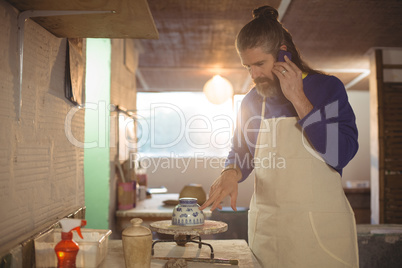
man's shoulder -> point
(323, 88)
(321, 79)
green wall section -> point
(97, 129)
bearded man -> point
(299, 215)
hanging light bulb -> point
(218, 89)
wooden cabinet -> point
(386, 135)
(119, 19)
(359, 200)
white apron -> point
(299, 215)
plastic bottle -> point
(142, 177)
(67, 249)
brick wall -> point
(41, 172)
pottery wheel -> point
(209, 227)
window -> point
(183, 124)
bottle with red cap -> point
(67, 249)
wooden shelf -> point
(131, 18)
(359, 199)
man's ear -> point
(284, 47)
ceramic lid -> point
(136, 229)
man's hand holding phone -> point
(282, 54)
(291, 80)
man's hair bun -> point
(266, 12)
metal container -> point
(137, 245)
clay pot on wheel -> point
(187, 213)
(195, 191)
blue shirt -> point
(331, 113)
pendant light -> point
(218, 89)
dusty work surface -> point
(224, 249)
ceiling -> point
(196, 39)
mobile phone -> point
(282, 53)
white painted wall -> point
(41, 172)
(359, 167)
(123, 92)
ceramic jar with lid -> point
(137, 245)
(187, 213)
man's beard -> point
(267, 87)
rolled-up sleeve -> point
(331, 125)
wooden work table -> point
(223, 249)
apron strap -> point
(263, 109)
